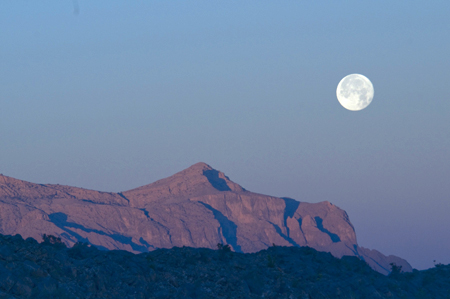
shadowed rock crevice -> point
(287, 238)
(301, 230)
(369, 260)
(146, 243)
(186, 227)
(228, 227)
(335, 238)
(68, 233)
(124, 197)
(213, 177)
(146, 214)
(355, 250)
(60, 220)
(289, 210)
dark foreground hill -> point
(197, 207)
(29, 269)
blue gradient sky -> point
(128, 92)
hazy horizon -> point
(112, 95)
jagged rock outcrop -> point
(197, 207)
(50, 270)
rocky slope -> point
(197, 207)
(50, 270)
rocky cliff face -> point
(197, 207)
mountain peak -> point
(197, 168)
(196, 180)
(198, 206)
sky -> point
(112, 95)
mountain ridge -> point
(196, 207)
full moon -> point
(355, 92)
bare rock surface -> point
(197, 207)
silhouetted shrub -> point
(81, 250)
(81, 245)
(223, 248)
(50, 239)
(438, 265)
(395, 270)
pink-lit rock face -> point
(197, 207)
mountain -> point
(197, 207)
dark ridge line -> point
(190, 234)
(300, 220)
(124, 197)
(389, 271)
(102, 203)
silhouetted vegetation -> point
(223, 248)
(437, 265)
(270, 261)
(48, 270)
(50, 239)
(395, 270)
